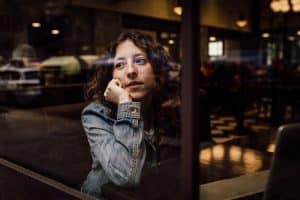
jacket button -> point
(132, 110)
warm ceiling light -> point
(291, 38)
(271, 148)
(265, 35)
(296, 8)
(55, 32)
(36, 24)
(241, 22)
(178, 10)
(274, 6)
(280, 5)
(295, 2)
(171, 41)
(173, 35)
(164, 35)
(285, 8)
(212, 38)
(295, 5)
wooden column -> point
(190, 111)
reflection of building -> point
(87, 27)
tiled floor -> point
(224, 127)
(238, 154)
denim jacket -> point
(117, 145)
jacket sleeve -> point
(117, 145)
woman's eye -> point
(119, 65)
(140, 61)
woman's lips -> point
(134, 84)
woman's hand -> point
(115, 93)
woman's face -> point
(133, 69)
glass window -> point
(60, 60)
(56, 62)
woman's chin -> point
(137, 96)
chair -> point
(284, 178)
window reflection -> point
(218, 152)
(235, 153)
(249, 81)
(252, 161)
(271, 148)
(49, 55)
(244, 159)
(205, 156)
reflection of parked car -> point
(66, 69)
(21, 85)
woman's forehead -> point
(127, 48)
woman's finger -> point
(118, 82)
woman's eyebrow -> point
(119, 58)
(139, 54)
(135, 55)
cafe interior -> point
(234, 65)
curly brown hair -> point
(165, 120)
(156, 54)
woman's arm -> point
(118, 145)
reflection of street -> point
(48, 140)
(43, 95)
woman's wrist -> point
(125, 98)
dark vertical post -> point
(190, 112)
(255, 15)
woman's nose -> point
(131, 71)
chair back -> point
(284, 178)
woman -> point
(122, 124)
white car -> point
(21, 85)
(66, 69)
